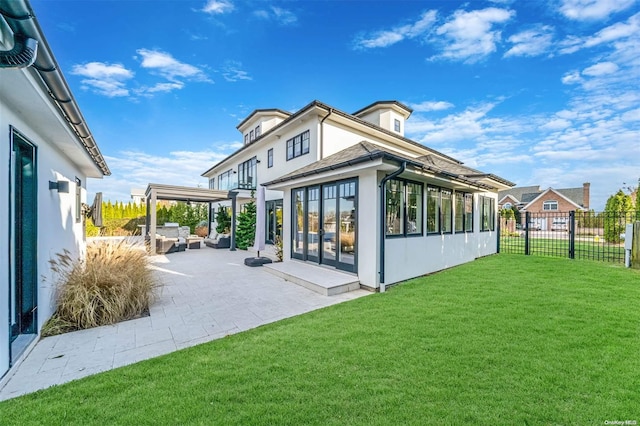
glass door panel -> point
(297, 224)
(347, 237)
(313, 223)
(329, 236)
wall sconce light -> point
(61, 185)
(234, 172)
(257, 161)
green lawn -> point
(507, 339)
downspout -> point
(383, 205)
(321, 150)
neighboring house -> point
(551, 206)
(47, 152)
(138, 196)
(356, 195)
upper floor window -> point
(258, 132)
(212, 183)
(246, 138)
(507, 205)
(550, 205)
(488, 214)
(247, 174)
(270, 158)
(396, 125)
(404, 207)
(251, 136)
(298, 145)
(225, 180)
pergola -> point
(156, 191)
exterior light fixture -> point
(62, 186)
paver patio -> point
(207, 294)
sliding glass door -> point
(324, 219)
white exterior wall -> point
(368, 245)
(415, 256)
(57, 227)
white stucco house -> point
(351, 192)
(46, 155)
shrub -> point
(113, 284)
(223, 219)
(277, 246)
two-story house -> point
(355, 194)
(46, 155)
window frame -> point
(270, 158)
(258, 131)
(465, 216)
(550, 203)
(490, 215)
(248, 169)
(298, 145)
(78, 200)
(396, 125)
(404, 209)
(228, 175)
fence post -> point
(635, 246)
(527, 218)
(499, 230)
(572, 234)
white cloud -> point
(385, 38)
(232, 72)
(556, 124)
(572, 77)
(470, 36)
(163, 87)
(135, 169)
(277, 14)
(104, 78)
(218, 7)
(587, 10)
(533, 42)
(169, 67)
(602, 68)
(431, 106)
(612, 33)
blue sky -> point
(543, 92)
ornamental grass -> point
(112, 284)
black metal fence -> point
(577, 235)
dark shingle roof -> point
(526, 194)
(366, 151)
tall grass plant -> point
(112, 284)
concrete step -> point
(325, 281)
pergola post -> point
(152, 217)
(233, 196)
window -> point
(468, 212)
(247, 174)
(403, 207)
(298, 145)
(396, 125)
(246, 138)
(212, 183)
(270, 158)
(78, 201)
(447, 211)
(251, 136)
(488, 214)
(507, 205)
(463, 212)
(258, 132)
(550, 205)
(433, 210)
(224, 180)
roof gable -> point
(552, 191)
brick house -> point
(550, 206)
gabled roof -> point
(518, 192)
(269, 111)
(366, 151)
(528, 194)
(400, 107)
(551, 190)
(329, 110)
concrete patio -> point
(207, 294)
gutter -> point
(383, 205)
(21, 19)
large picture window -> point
(403, 208)
(488, 221)
(447, 211)
(298, 145)
(439, 210)
(225, 181)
